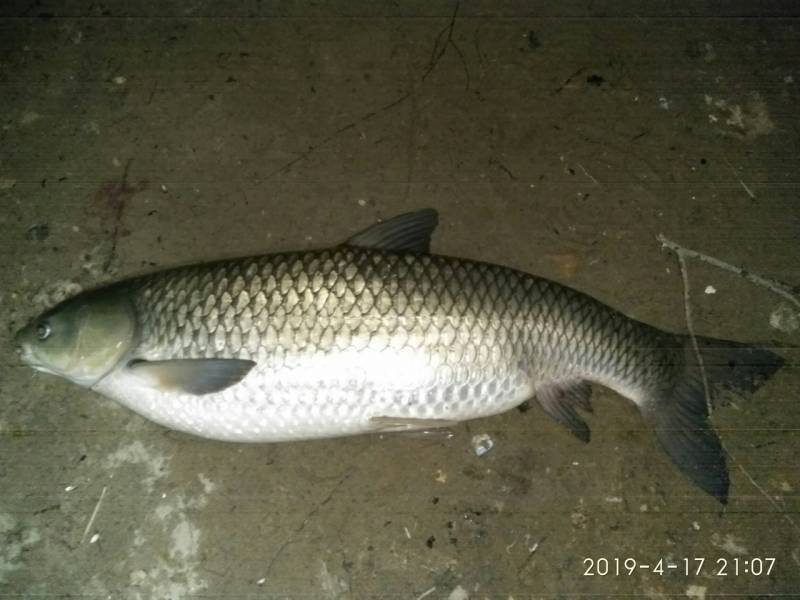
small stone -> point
(458, 593)
(595, 80)
(38, 232)
(697, 592)
(482, 443)
(784, 318)
(578, 519)
(29, 117)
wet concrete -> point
(560, 143)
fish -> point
(377, 334)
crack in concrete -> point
(292, 538)
(116, 197)
(438, 51)
(440, 48)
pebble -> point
(482, 443)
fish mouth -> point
(42, 369)
(26, 356)
(20, 347)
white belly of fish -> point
(326, 395)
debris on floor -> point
(458, 593)
(38, 232)
(482, 443)
(696, 592)
(785, 318)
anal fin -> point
(560, 400)
(386, 424)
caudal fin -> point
(733, 366)
(679, 414)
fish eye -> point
(43, 330)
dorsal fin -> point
(409, 232)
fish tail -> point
(679, 413)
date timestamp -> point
(715, 567)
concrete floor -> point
(560, 143)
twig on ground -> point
(94, 514)
(589, 175)
(741, 182)
(687, 308)
(778, 507)
(773, 285)
(426, 593)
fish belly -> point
(329, 395)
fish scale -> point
(465, 330)
(377, 334)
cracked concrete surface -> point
(560, 140)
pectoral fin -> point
(191, 376)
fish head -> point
(82, 339)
